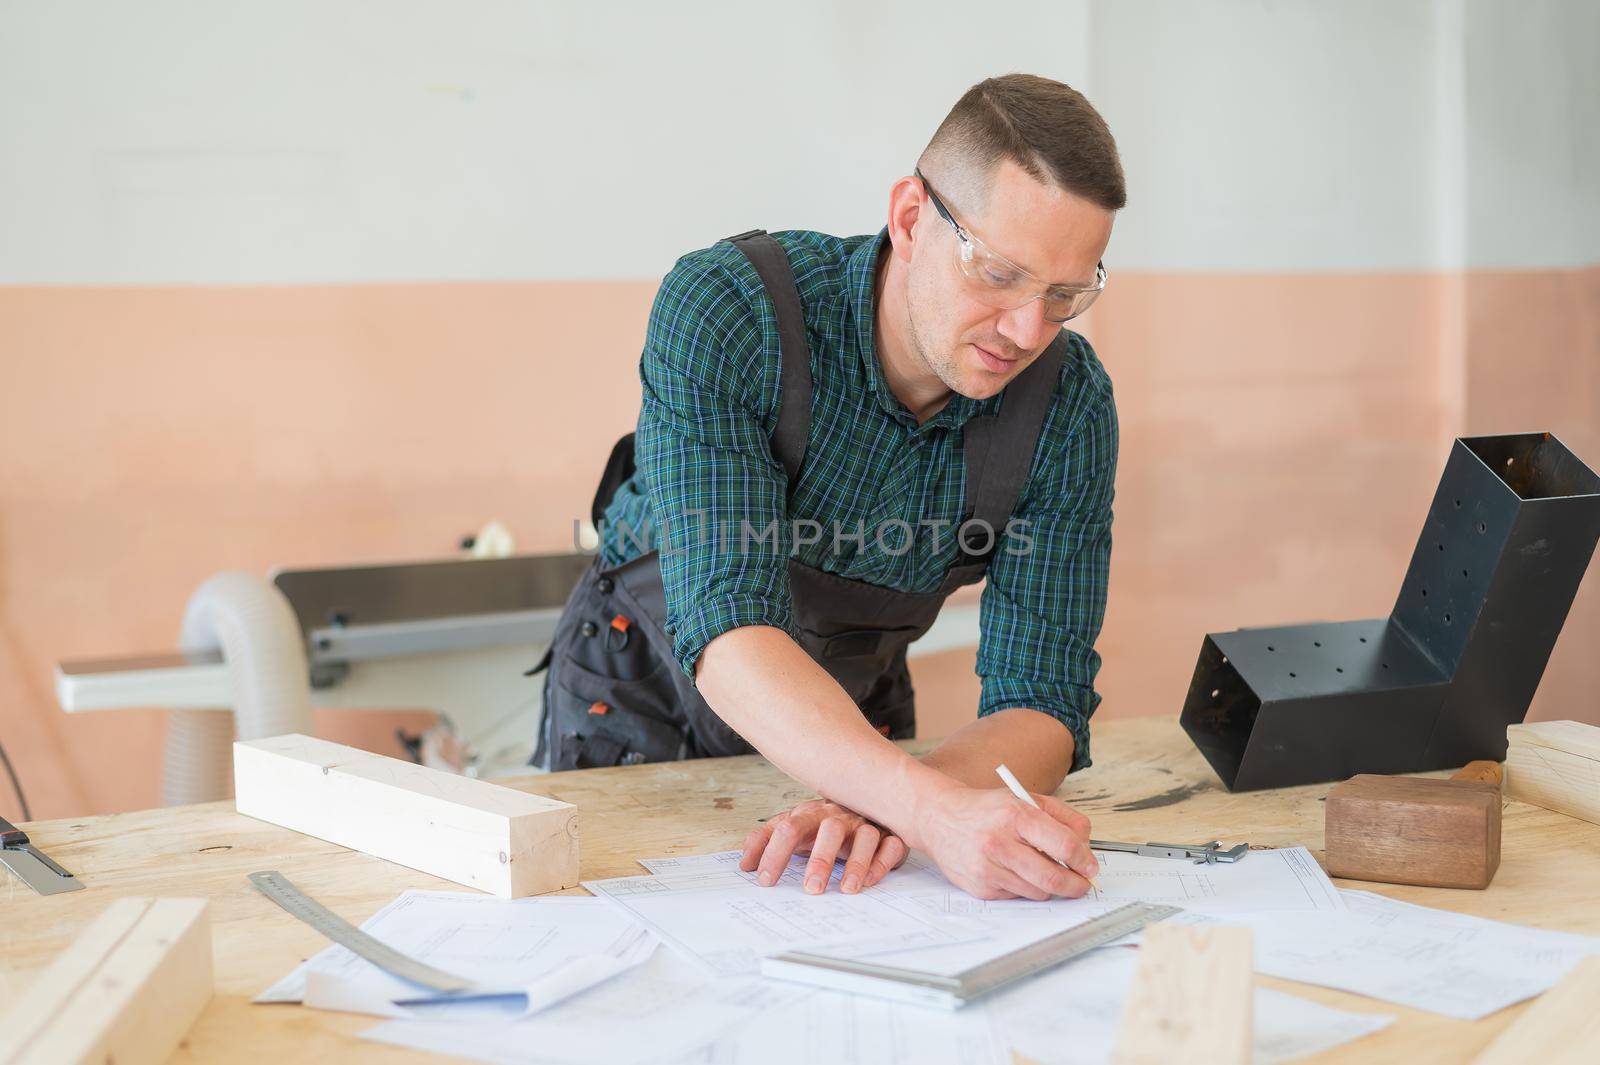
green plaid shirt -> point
(705, 465)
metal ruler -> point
(952, 992)
(280, 889)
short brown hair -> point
(1045, 127)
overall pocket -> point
(607, 639)
(596, 720)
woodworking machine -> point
(453, 636)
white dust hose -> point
(251, 624)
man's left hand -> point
(824, 830)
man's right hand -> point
(993, 845)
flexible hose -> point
(251, 624)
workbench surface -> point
(1147, 783)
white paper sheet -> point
(655, 1012)
(1284, 879)
(958, 957)
(668, 1011)
(834, 1028)
(1433, 960)
(1071, 1015)
(726, 922)
(524, 954)
(699, 863)
(1018, 930)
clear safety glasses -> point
(1001, 283)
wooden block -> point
(1404, 830)
(492, 838)
(1191, 998)
(1555, 764)
(1562, 1027)
(126, 990)
(1575, 737)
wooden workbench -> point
(1148, 782)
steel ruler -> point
(280, 889)
(952, 992)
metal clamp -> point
(32, 865)
(1200, 854)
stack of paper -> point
(573, 980)
(724, 921)
(659, 1012)
(523, 955)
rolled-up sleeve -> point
(1045, 597)
(717, 494)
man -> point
(835, 434)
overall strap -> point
(793, 433)
(999, 448)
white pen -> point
(1022, 793)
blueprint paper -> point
(1265, 880)
(955, 958)
(1434, 960)
(699, 863)
(523, 954)
(1286, 1027)
(836, 1028)
(948, 958)
(1071, 1015)
(669, 1013)
(655, 1012)
(726, 923)
(1285, 879)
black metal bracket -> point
(1434, 685)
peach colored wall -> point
(152, 436)
(1281, 438)
(1533, 362)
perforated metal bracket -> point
(1434, 685)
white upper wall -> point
(1271, 136)
(301, 141)
(306, 141)
(1358, 135)
(1533, 132)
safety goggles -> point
(1001, 283)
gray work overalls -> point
(615, 694)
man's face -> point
(972, 346)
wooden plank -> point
(73, 967)
(1191, 998)
(1574, 737)
(496, 839)
(1405, 830)
(1562, 1027)
(126, 990)
(1556, 765)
